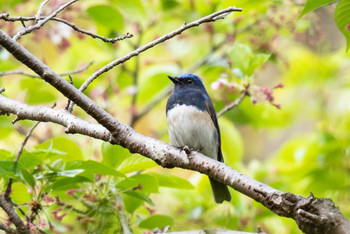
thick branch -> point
(287, 205)
(47, 114)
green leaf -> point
(106, 16)
(37, 91)
(342, 19)
(131, 203)
(114, 155)
(311, 5)
(171, 181)
(148, 183)
(61, 148)
(136, 162)
(127, 184)
(20, 193)
(67, 183)
(17, 171)
(91, 168)
(242, 57)
(153, 80)
(156, 221)
(132, 7)
(231, 142)
(141, 196)
(169, 4)
(5, 125)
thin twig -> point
(38, 14)
(42, 22)
(18, 72)
(5, 16)
(9, 184)
(122, 216)
(234, 103)
(71, 207)
(7, 229)
(185, 26)
(168, 90)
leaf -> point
(311, 5)
(17, 171)
(131, 203)
(136, 162)
(242, 57)
(156, 221)
(91, 168)
(153, 80)
(61, 148)
(171, 181)
(113, 155)
(67, 183)
(139, 195)
(37, 91)
(169, 4)
(19, 193)
(106, 16)
(132, 7)
(148, 183)
(231, 142)
(342, 19)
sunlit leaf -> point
(141, 196)
(68, 183)
(107, 16)
(20, 193)
(62, 148)
(136, 163)
(172, 181)
(311, 5)
(342, 19)
(91, 168)
(157, 221)
(114, 155)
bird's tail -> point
(220, 191)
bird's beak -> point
(174, 79)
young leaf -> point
(311, 5)
(57, 146)
(139, 195)
(156, 221)
(114, 155)
(342, 19)
(136, 163)
(107, 16)
(171, 181)
(91, 168)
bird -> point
(192, 123)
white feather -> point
(187, 125)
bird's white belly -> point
(189, 126)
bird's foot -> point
(187, 149)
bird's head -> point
(187, 81)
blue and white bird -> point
(192, 122)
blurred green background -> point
(297, 142)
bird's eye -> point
(189, 81)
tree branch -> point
(234, 103)
(75, 71)
(5, 16)
(304, 210)
(209, 18)
(42, 22)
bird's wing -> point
(211, 110)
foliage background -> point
(302, 147)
